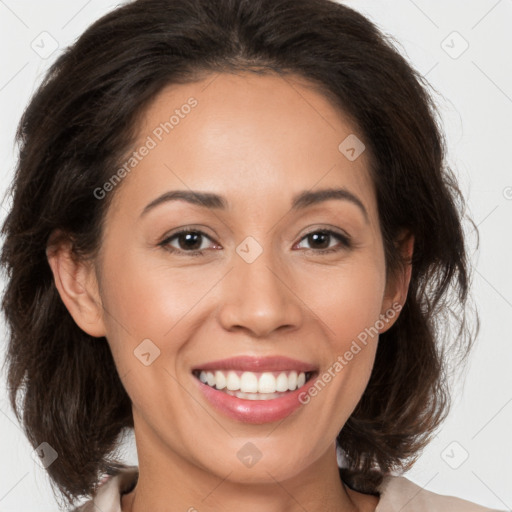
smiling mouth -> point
(254, 385)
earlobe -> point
(398, 285)
(76, 283)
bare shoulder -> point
(400, 494)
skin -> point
(257, 140)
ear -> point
(397, 285)
(77, 285)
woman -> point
(232, 230)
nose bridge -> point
(257, 295)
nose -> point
(259, 297)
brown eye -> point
(320, 240)
(189, 241)
(186, 241)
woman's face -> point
(281, 273)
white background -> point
(475, 95)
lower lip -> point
(255, 411)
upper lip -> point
(255, 364)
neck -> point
(168, 482)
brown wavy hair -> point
(80, 125)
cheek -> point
(143, 302)
(148, 297)
(149, 307)
(348, 303)
(347, 299)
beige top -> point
(398, 494)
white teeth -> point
(253, 385)
(249, 383)
(255, 396)
(292, 381)
(233, 381)
(220, 380)
(282, 382)
(267, 383)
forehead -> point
(247, 136)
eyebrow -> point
(217, 202)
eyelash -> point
(345, 241)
